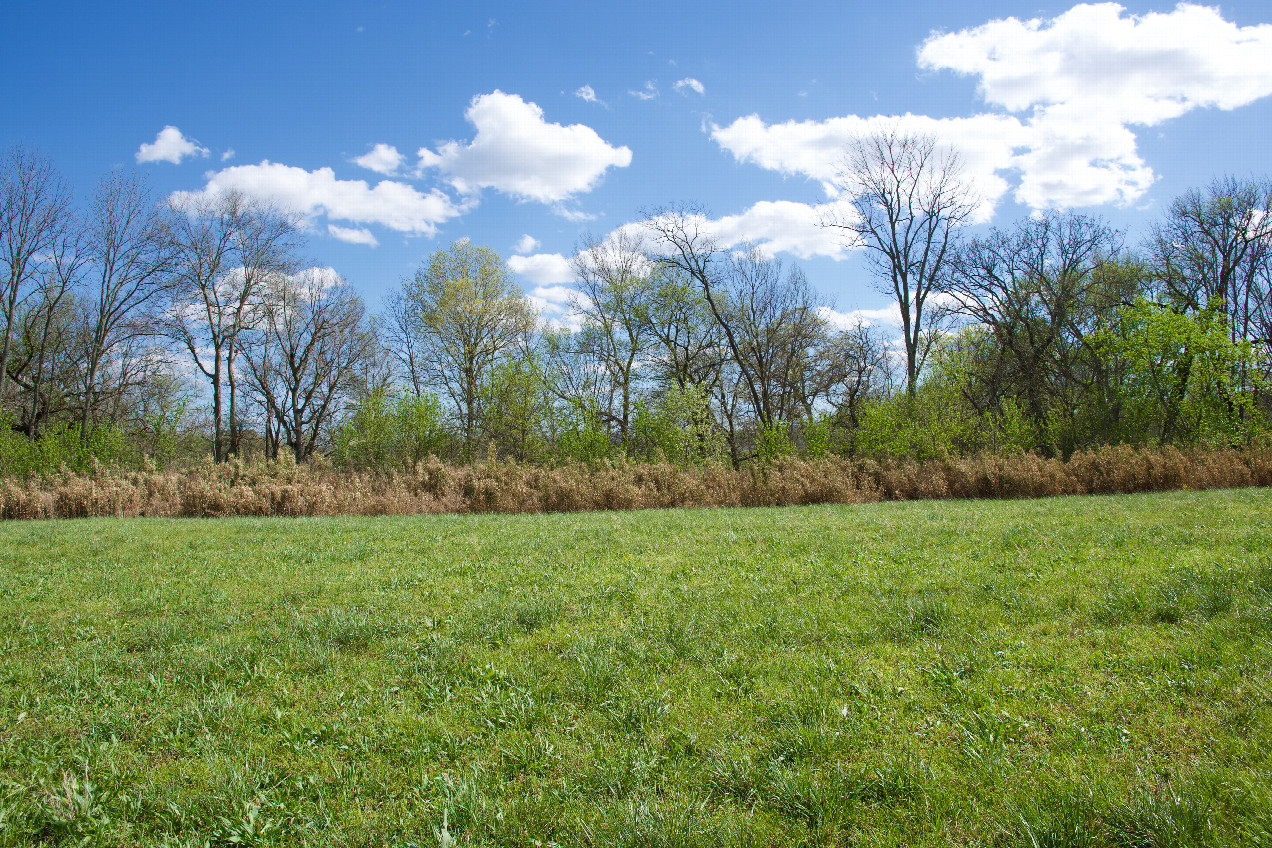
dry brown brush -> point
(237, 488)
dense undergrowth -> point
(238, 488)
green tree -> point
(1181, 383)
(469, 315)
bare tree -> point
(779, 330)
(683, 242)
(47, 326)
(304, 356)
(691, 346)
(468, 313)
(34, 217)
(1031, 286)
(769, 321)
(129, 251)
(907, 197)
(851, 366)
(1214, 251)
(226, 246)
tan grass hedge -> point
(283, 488)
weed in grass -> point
(595, 671)
(798, 793)
(1158, 817)
(984, 736)
(731, 774)
(625, 772)
(923, 614)
(653, 822)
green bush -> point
(679, 427)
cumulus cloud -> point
(518, 153)
(586, 93)
(1141, 69)
(353, 235)
(772, 226)
(1070, 89)
(390, 204)
(542, 269)
(526, 244)
(383, 159)
(689, 84)
(649, 92)
(169, 146)
(815, 149)
(781, 226)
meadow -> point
(1077, 671)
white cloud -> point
(1135, 69)
(383, 159)
(773, 226)
(649, 92)
(782, 226)
(587, 93)
(169, 146)
(321, 277)
(395, 205)
(542, 269)
(815, 149)
(1078, 82)
(689, 84)
(227, 155)
(526, 244)
(889, 316)
(353, 235)
(518, 153)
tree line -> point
(176, 328)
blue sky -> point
(397, 127)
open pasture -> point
(1073, 671)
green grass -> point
(1070, 672)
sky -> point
(395, 128)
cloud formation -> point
(586, 93)
(526, 244)
(649, 92)
(542, 269)
(517, 152)
(689, 84)
(169, 146)
(390, 204)
(383, 159)
(1069, 88)
(353, 235)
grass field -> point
(1074, 671)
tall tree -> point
(129, 251)
(226, 246)
(613, 299)
(1032, 287)
(906, 199)
(468, 313)
(303, 356)
(34, 216)
(1213, 252)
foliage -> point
(62, 446)
(679, 427)
(386, 431)
(1181, 375)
